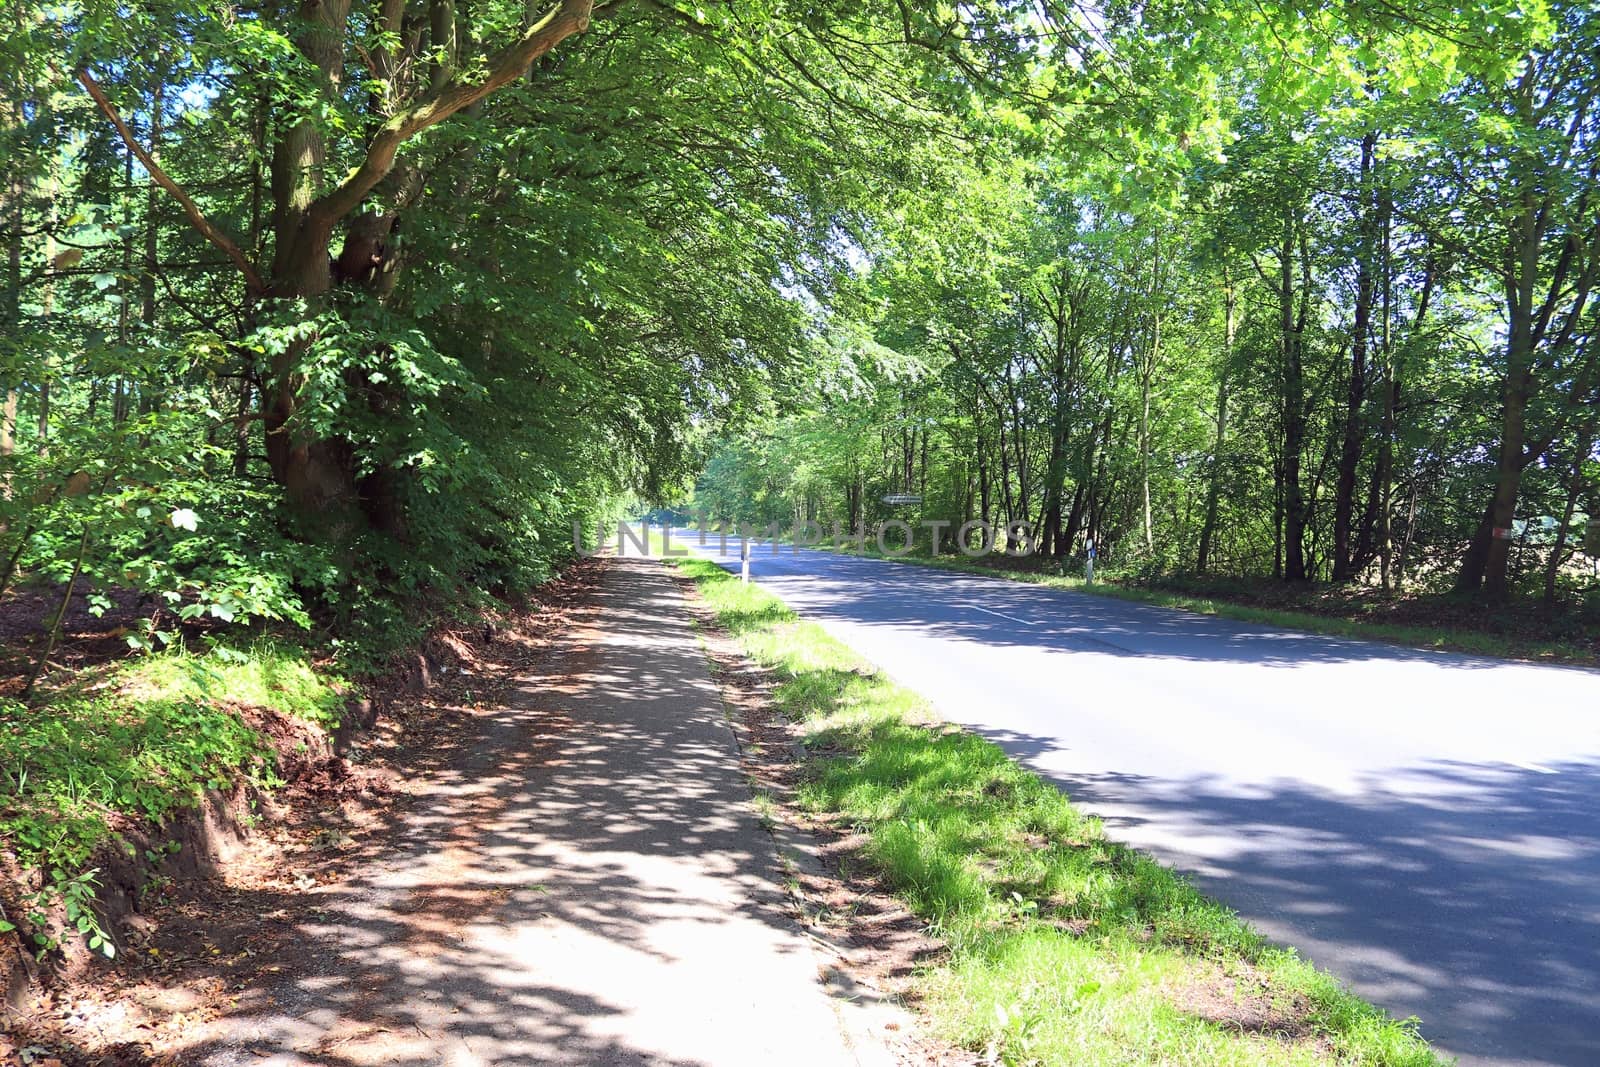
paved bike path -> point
(587, 884)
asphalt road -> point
(1421, 824)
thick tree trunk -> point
(317, 475)
(1484, 567)
(1074, 517)
(444, 42)
(1508, 482)
(1475, 559)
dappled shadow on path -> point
(567, 892)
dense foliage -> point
(313, 311)
(1341, 328)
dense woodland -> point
(312, 312)
(1343, 330)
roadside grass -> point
(266, 674)
(1065, 947)
(142, 739)
(1508, 645)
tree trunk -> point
(11, 300)
(444, 42)
(1007, 501)
(1052, 539)
(47, 367)
(1355, 394)
(8, 437)
(119, 390)
(317, 475)
(983, 481)
(149, 394)
(1019, 434)
(12, 321)
(1552, 571)
(1277, 519)
(1144, 449)
(1147, 370)
(1294, 404)
(1214, 484)
(856, 500)
(241, 429)
(1208, 526)
(1539, 330)
(1383, 475)
(1484, 567)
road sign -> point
(897, 499)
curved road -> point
(1421, 824)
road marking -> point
(1001, 614)
(1537, 768)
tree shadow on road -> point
(1467, 895)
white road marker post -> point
(744, 559)
(1088, 560)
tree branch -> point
(562, 21)
(197, 218)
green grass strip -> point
(1065, 947)
(143, 739)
